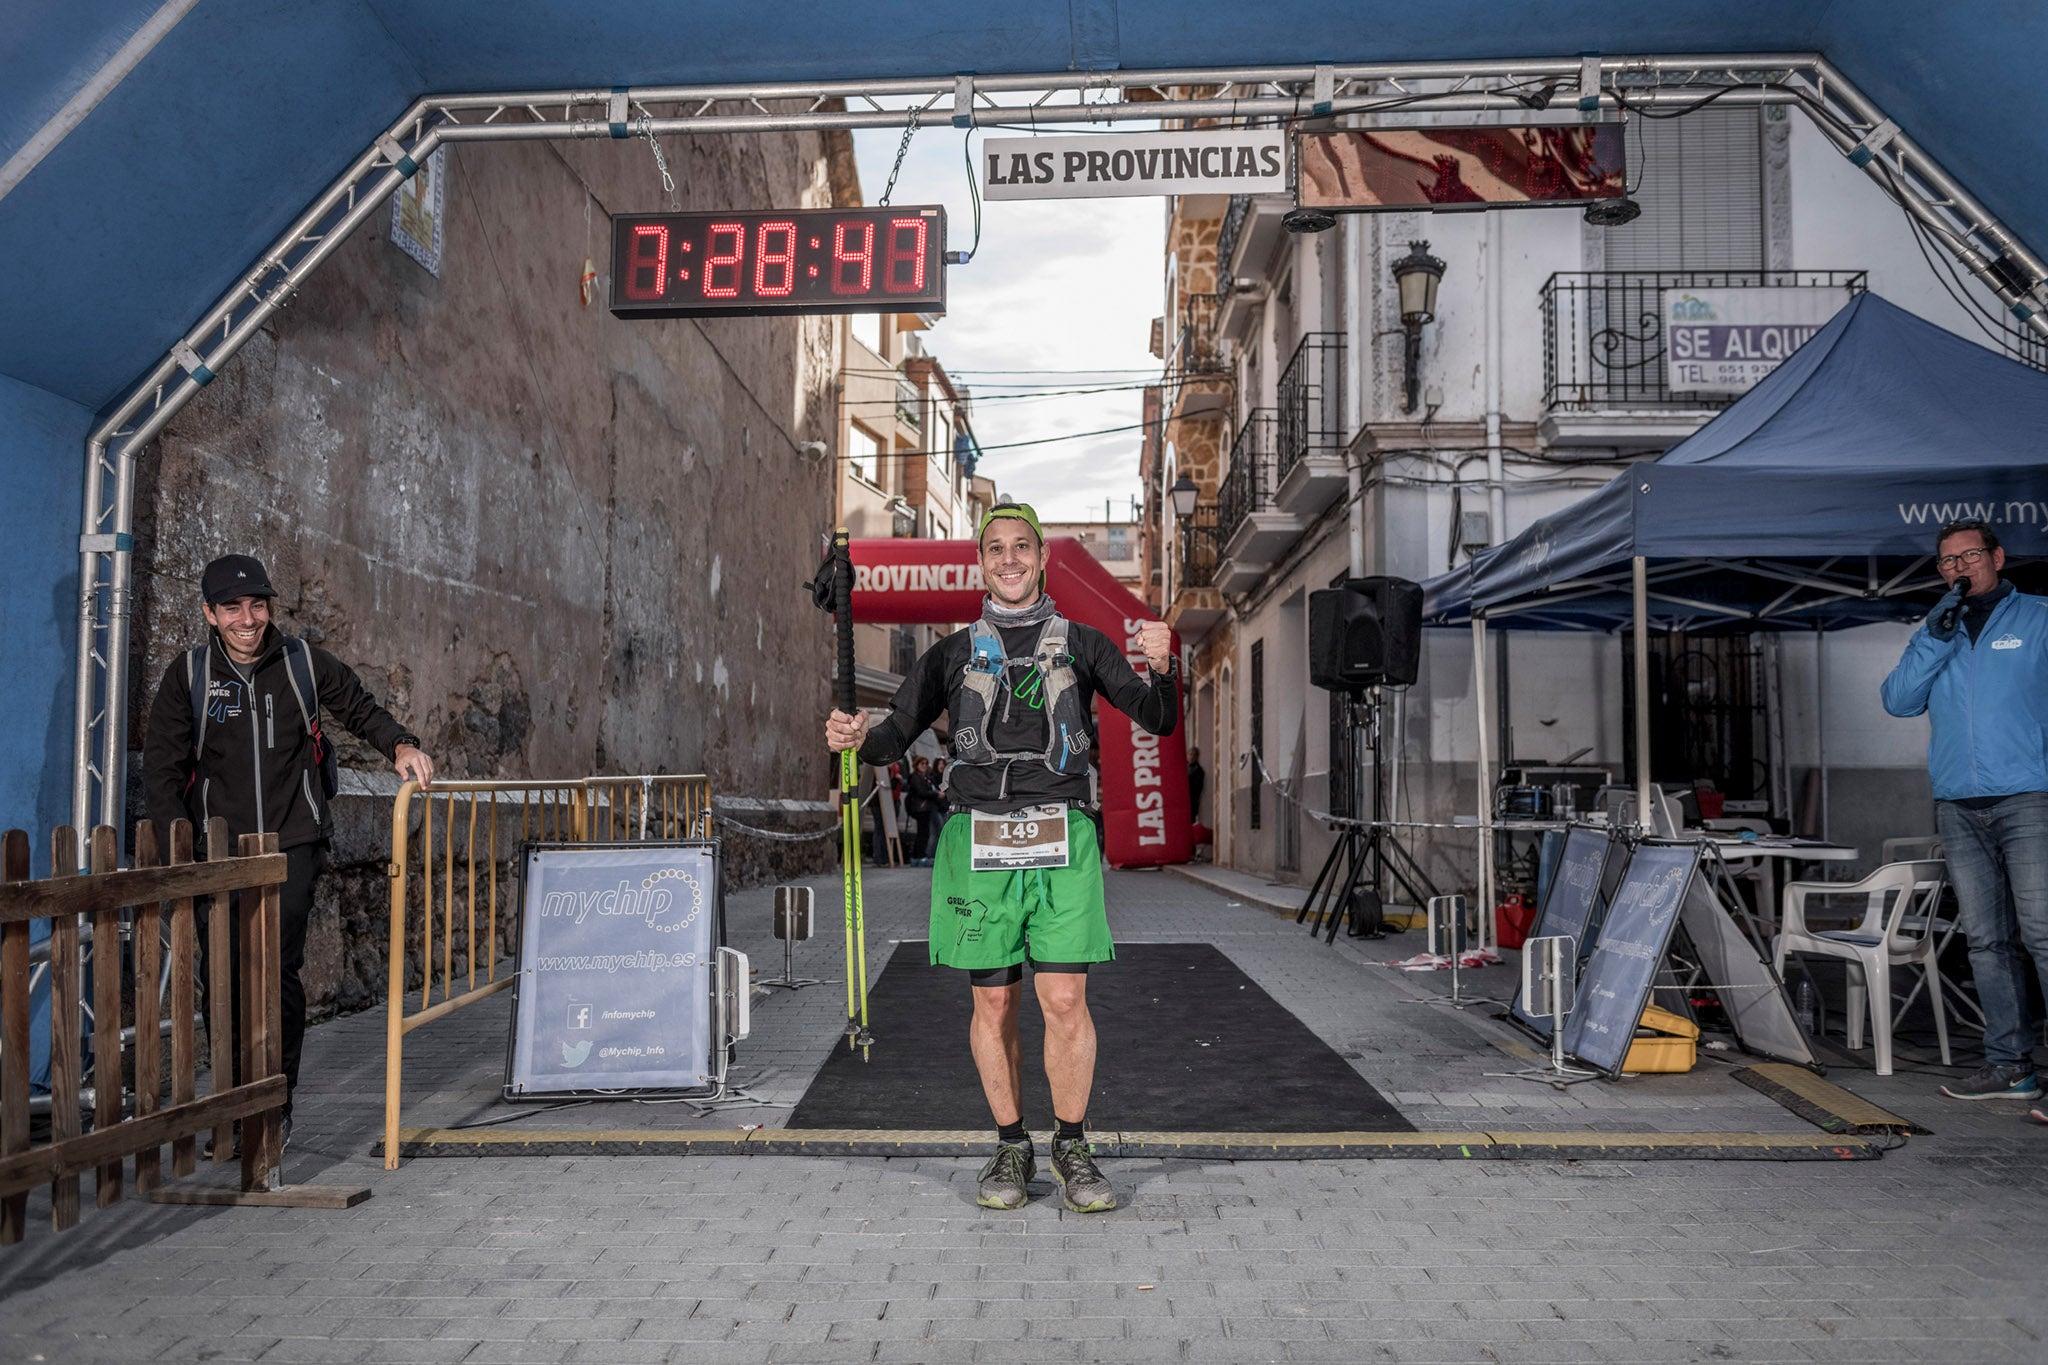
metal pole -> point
(1484, 782)
(1640, 574)
(1820, 718)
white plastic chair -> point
(1898, 929)
(1910, 847)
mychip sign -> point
(616, 957)
(1725, 340)
(1109, 165)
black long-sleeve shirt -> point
(256, 769)
(1016, 726)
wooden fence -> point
(159, 907)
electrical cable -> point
(1693, 108)
(1006, 445)
(523, 1114)
(974, 194)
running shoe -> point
(2038, 1115)
(1005, 1177)
(2001, 1081)
(1082, 1187)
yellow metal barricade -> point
(448, 842)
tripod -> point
(1366, 843)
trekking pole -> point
(857, 1034)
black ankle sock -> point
(1013, 1132)
(1069, 1132)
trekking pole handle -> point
(842, 611)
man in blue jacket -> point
(1979, 668)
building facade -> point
(1288, 403)
(553, 543)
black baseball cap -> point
(233, 576)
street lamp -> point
(1416, 275)
(1184, 495)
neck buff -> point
(998, 615)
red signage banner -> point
(1145, 816)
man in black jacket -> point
(230, 736)
(1018, 876)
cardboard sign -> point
(1112, 165)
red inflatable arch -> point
(1145, 815)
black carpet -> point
(1186, 1042)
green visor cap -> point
(1020, 511)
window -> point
(867, 330)
(863, 451)
(1258, 703)
(1700, 182)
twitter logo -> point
(574, 1053)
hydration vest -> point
(988, 677)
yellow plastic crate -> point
(1671, 1042)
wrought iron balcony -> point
(1226, 242)
(1603, 332)
(1200, 540)
(1311, 414)
(1248, 483)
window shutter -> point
(1701, 188)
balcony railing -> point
(1311, 416)
(1603, 332)
(1249, 482)
(1226, 242)
(1198, 349)
(1199, 541)
(909, 403)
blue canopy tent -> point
(1811, 502)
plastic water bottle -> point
(1806, 1006)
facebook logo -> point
(580, 1015)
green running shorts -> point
(985, 920)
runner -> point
(1018, 874)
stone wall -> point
(553, 543)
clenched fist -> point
(843, 732)
(1156, 639)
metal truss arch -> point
(1557, 88)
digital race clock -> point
(675, 265)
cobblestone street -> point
(1930, 1253)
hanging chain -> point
(668, 183)
(909, 132)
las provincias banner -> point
(1145, 818)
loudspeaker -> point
(1366, 633)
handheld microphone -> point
(1954, 614)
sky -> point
(1058, 285)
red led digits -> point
(734, 263)
(779, 261)
(716, 260)
(853, 267)
(896, 254)
(647, 262)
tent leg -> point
(1820, 718)
(1484, 781)
(1640, 572)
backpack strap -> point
(198, 678)
(298, 670)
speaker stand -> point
(1364, 847)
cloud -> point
(1061, 285)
